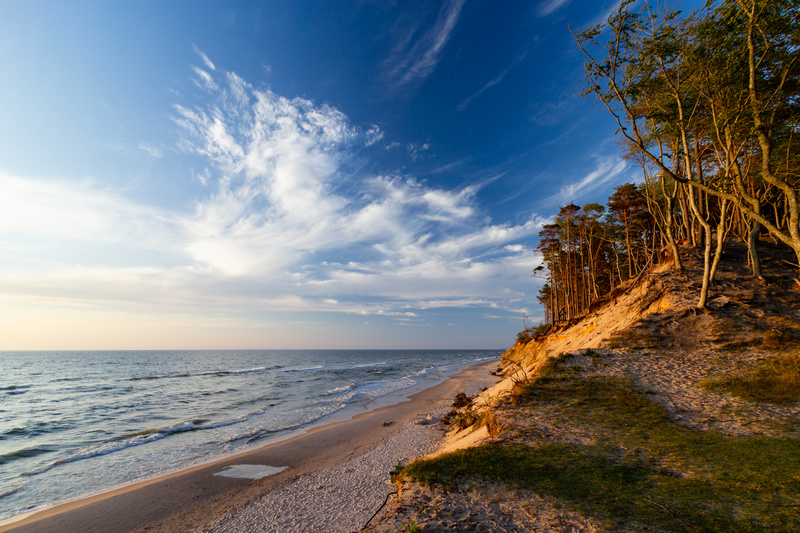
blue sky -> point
(288, 174)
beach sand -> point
(332, 478)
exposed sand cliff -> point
(650, 334)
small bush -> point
(461, 400)
(533, 332)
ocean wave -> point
(342, 397)
(423, 371)
(249, 371)
(118, 444)
(160, 376)
(255, 370)
(139, 438)
(231, 422)
(370, 365)
(60, 380)
(14, 387)
(376, 389)
(259, 434)
(9, 491)
(36, 428)
(31, 451)
(339, 390)
(320, 367)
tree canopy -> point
(708, 103)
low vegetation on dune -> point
(773, 380)
(640, 469)
(679, 419)
(662, 390)
(675, 419)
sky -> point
(288, 174)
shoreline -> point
(194, 497)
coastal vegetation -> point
(708, 104)
(642, 470)
(646, 414)
(775, 380)
(662, 391)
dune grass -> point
(643, 472)
(774, 380)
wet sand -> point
(345, 462)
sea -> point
(73, 423)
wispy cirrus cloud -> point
(607, 169)
(491, 83)
(602, 17)
(548, 7)
(203, 79)
(150, 150)
(206, 61)
(49, 210)
(415, 57)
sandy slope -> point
(649, 332)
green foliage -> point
(532, 332)
(586, 254)
(774, 380)
(410, 527)
(643, 471)
(708, 99)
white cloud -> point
(65, 209)
(373, 135)
(206, 61)
(151, 151)
(277, 211)
(276, 227)
(491, 83)
(204, 79)
(608, 168)
(550, 6)
(414, 60)
(417, 151)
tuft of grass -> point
(782, 339)
(740, 346)
(643, 471)
(589, 352)
(632, 339)
(409, 527)
(773, 380)
(778, 339)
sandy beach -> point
(332, 478)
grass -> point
(643, 472)
(632, 339)
(782, 338)
(409, 527)
(774, 380)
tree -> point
(704, 97)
